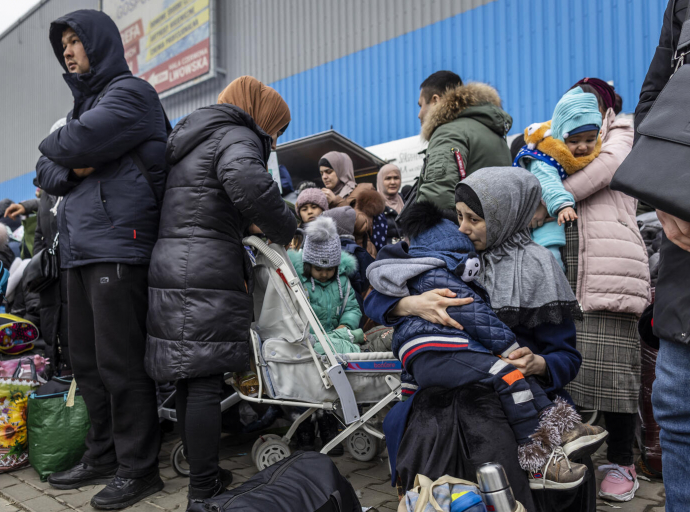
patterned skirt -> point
(609, 378)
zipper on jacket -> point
(273, 478)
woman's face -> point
(329, 177)
(391, 184)
(472, 225)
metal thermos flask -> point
(496, 492)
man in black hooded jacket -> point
(672, 305)
(108, 163)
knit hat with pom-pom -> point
(321, 243)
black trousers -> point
(197, 403)
(621, 427)
(107, 306)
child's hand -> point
(566, 215)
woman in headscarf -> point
(338, 176)
(528, 292)
(388, 182)
(200, 285)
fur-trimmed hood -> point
(477, 100)
(538, 136)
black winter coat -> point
(111, 215)
(200, 283)
(671, 319)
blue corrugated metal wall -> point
(531, 51)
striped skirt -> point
(609, 378)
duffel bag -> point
(57, 426)
(304, 482)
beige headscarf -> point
(261, 102)
(342, 165)
(394, 201)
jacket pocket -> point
(100, 205)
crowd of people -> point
(516, 272)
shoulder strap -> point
(347, 296)
(683, 46)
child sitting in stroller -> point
(324, 271)
(440, 256)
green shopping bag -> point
(57, 426)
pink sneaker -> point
(620, 483)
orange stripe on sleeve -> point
(513, 377)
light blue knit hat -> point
(576, 108)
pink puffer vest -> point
(613, 271)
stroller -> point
(290, 372)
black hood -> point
(103, 44)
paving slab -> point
(43, 504)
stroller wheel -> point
(270, 452)
(179, 460)
(362, 446)
(261, 440)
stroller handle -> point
(263, 248)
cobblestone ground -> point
(23, 491)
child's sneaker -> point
(559, 474)
(619, 484)
(583, 440)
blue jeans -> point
(672, 413)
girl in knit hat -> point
(324, 271)
(554, 151)
(310, 204)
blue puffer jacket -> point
(111, 215)
(396, 272)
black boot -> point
(329, 429)
(225, 477)
(196, 498)
(306, 436)
(125, 492)
(82, 474)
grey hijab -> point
(524, 282)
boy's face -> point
(308, 212)
(472, 225)
(582, 144)
(322, 274)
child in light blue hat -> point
(570, 144)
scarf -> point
(261, 102)
(523, 280)
(342, 165)
(394, 201)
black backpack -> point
(304, 482)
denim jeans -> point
(672, 413)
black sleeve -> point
(661, 67)
(256, 195)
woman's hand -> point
(15, 210)
(527, 362)
(677, 230)
(566, 215)
(431, 306)
(83, 173)
(539, 217)
(330, 196)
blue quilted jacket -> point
(483, 331)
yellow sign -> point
(189, 26)
(191, 9)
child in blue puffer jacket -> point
(439, 257)
(555, 151)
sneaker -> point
(583, 440)
(124, 492)
(619, 484)
(82, 474)
(559, 474)
(197, 499)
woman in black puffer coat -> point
(200, 296)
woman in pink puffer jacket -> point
(607, 267)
